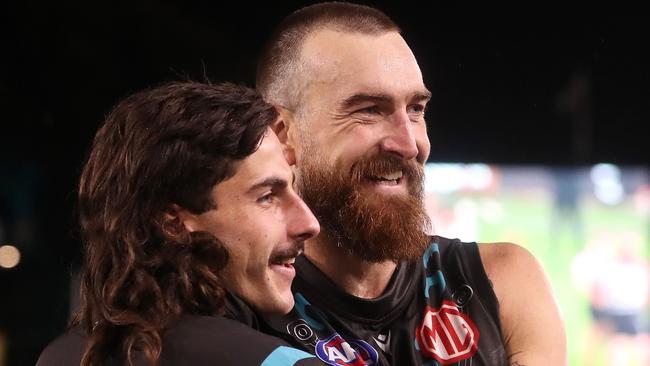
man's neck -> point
(356, 276)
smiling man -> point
(186, 195)
(373, 288)
(263, 224)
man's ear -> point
(177, 222)
(281, 127)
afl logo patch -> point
(446, 334)
(337, 351)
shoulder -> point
(513, 271)
(502, 259)
(205, 340)
(531, 322)
(199, 335)
(66, 349)
(196, 340)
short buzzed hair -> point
(279, 66)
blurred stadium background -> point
(588, 226)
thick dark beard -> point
(371, 227)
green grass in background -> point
(528, 221)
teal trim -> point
(283, 356)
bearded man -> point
(376, 289)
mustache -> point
(377, 165)
(373, 228)
(283, 254)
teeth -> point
(287, 261)
(392, 176)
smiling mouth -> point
(286, 258)
(389, 179)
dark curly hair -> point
(141, 271)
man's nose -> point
(302, 223)
(400, 139)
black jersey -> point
(195, 341)
(441, 310)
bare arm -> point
(531, 323)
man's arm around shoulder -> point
(531, 322)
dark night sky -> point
(497, 83)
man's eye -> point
(369, 110)
(267, 198)
(416, 109)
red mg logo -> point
(446, 334)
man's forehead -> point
(329, 56)
(267, 161)
(331, 45)
(333, 36)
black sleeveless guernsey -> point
(440, 310)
